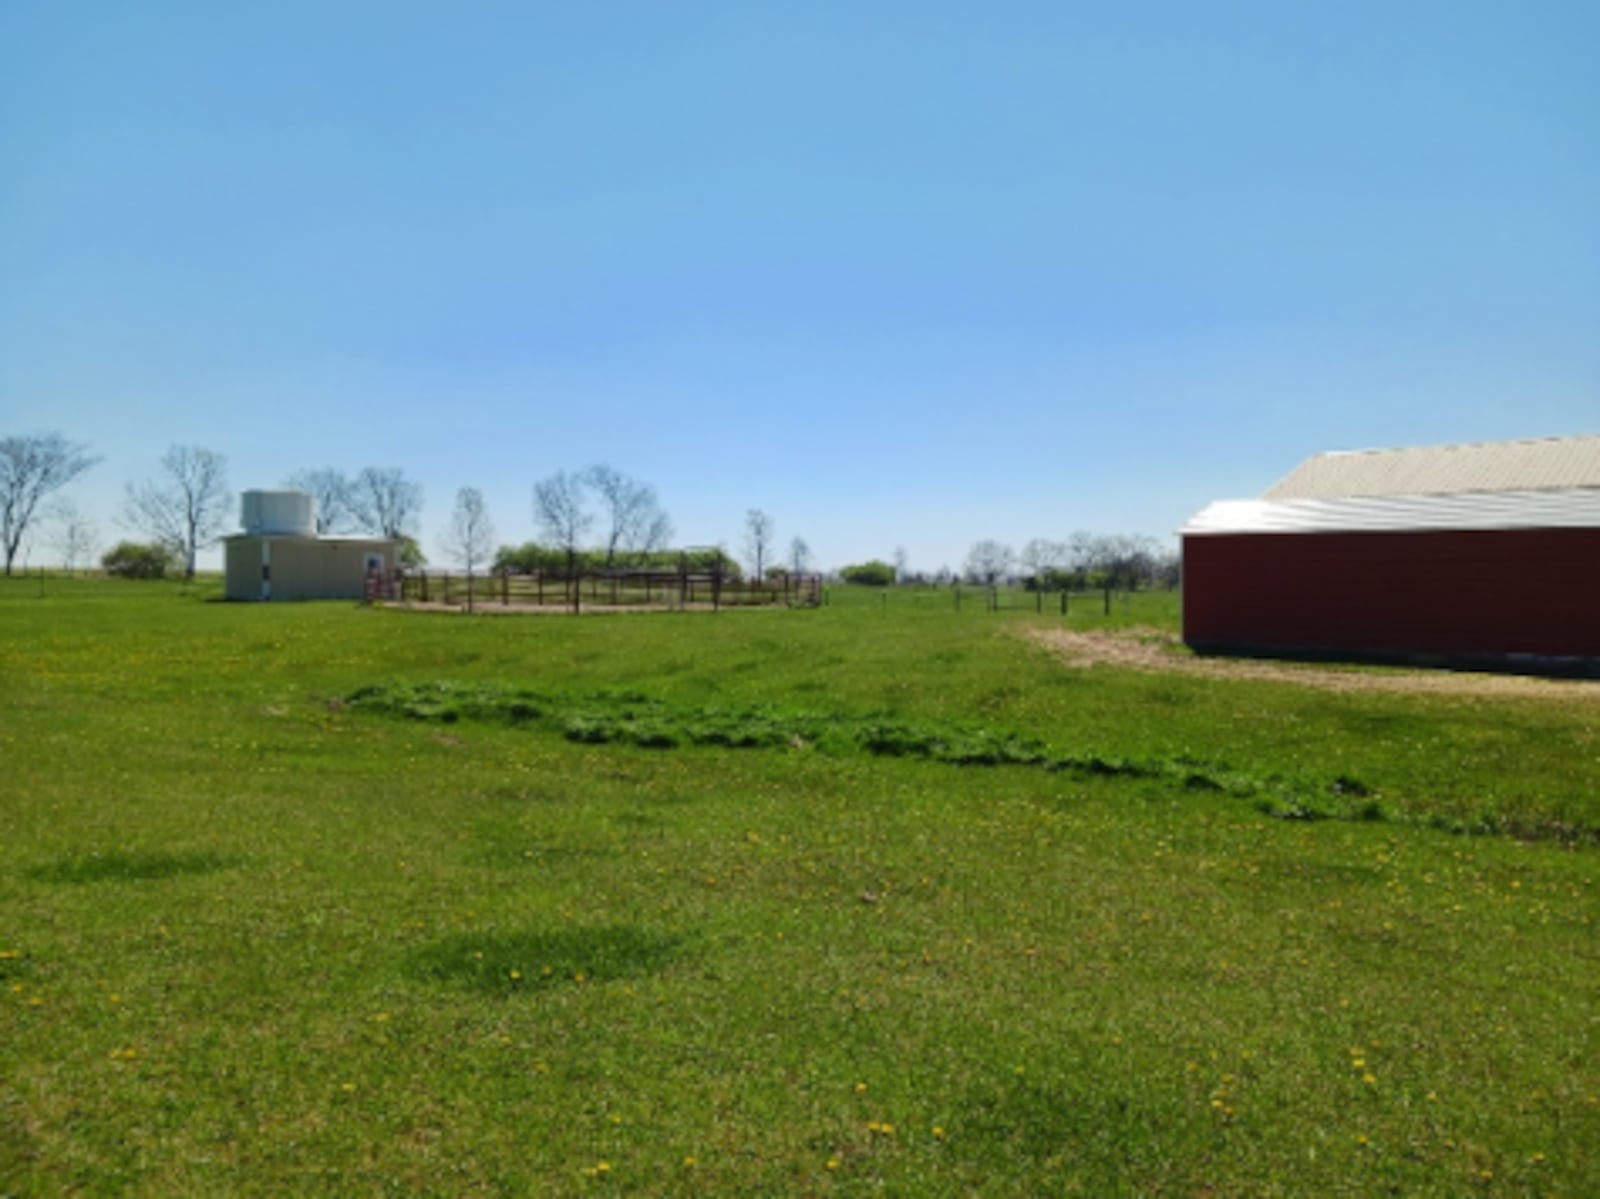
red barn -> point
(1483, 554)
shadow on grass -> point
(1041, 1122)
(505, 963)
(128, 866)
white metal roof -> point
(1545, 464)
(1569, 509)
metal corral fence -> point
(615, 590)
(978, 597)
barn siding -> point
(1460, 594)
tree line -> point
(1125, 562)
(183, 508)
(594, 519)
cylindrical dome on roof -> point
(278, 513)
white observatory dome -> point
(278, 514)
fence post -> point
(424, 586)
(1063, 601)
(1038, 600)
(1108, 599)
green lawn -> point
(294, 901)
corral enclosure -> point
(669, 590)
(887, 896)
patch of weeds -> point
(128, 866)
(1280, 809)
(626, 717)
(510, 962)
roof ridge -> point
(1457, 445)
(1531, 463)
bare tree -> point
(799, 555)
(900, 564)
(633, 517)
(74, 535)
(656, 535)
(186, 508)
(1122, 561)
(333, 492)
(758, 533)
(1041, 557)
(32, 467)
(470, 540)
(989, 561)
(558, 510)
(383, 501)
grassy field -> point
(875, 898)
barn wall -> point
(1447, 593)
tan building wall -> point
(302, 568)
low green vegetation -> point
(137, 560)
(876, 897)
(875, 573)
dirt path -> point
(1159, 652)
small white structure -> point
(280, 556)
(278, 514)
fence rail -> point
(614, 590)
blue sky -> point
(900, 274)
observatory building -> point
(280, 556)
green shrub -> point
(869, 574)
(134, 560)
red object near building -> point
(1457, 555)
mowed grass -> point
(256, 938)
